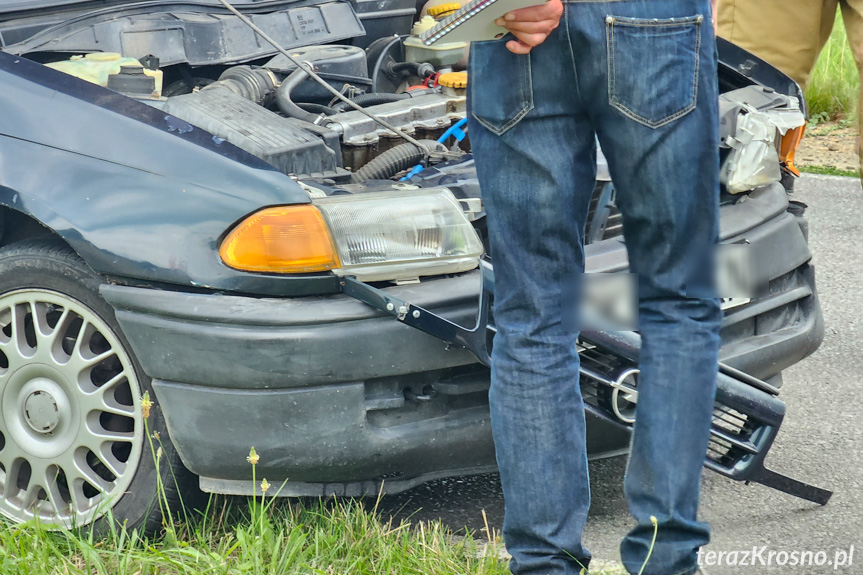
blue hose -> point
(454, 130)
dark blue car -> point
(185, 216)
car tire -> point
(74, 449)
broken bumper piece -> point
(746, 417)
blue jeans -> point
(640, 75)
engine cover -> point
(276, 140)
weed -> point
(835, 84)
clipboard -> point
(474, 21)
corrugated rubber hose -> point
(395, 160)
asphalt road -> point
(820, 442)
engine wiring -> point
(309, 69)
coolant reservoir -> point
(438, 55)
(98, 66)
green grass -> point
(835, 84)
(262, 535)
(828, 171)
(259, 536)
(324, 538)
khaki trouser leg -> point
(787, 35)
(852, 15)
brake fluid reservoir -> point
(439, 54)
(98, 66)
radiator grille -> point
(732, 432)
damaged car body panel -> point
(349, 383)
(111, 181)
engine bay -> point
(206, 68)
(274, 111)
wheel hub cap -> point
(41, 411)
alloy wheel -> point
(71, 427)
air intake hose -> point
(256, 85)
(420, 69)
(395, 160)
(283, 97)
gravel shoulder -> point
(830, 145)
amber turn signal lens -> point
(287, 239)
(788, 148)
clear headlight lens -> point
(393, 235)
(400, 234)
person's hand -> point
(531, 25)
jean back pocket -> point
(500, 90)
(653, 67)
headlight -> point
(376, 236)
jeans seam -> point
(526, 97)
(697, 63)
(611, 21)
(650, 123)
(609, 47)
(657, 23)
(500, 130)
(571, 53)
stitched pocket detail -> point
(500, 90)
(653, 67)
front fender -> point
(137, 193)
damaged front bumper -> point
(746, 417)
(344, 399)
(747, 413)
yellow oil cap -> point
(443, 9)
(453, 80)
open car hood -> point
(194, 32)
(51, 5)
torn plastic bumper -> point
(753, 124)
(746, 417)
